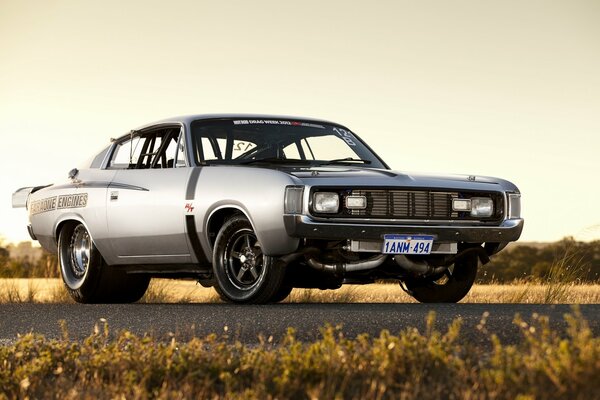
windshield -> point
(278, 141)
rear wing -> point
(19, 198)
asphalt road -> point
(245, 323)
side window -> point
(172, 151)
(154, 149)
(127, 154)
(181, 157)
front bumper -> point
(302, 226)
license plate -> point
(403, 244)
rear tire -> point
(447, 289)
(86, 276)
(243, 273)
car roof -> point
(187, 119)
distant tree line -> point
(566, 259)
(26, 261)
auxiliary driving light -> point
(356, 202)
(461, 204)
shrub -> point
(412, 364)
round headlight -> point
(326, 202)
(482, 207)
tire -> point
(86, 276)
(283, 292)
(244, 275)
(125, 288)
(447, 289)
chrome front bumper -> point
(302, 226)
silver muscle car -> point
(256, 205)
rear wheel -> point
(451, 287)
(244, 274)
(86, 276)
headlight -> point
(326, 202)
(293, 199)
(482, 207)
(514, 205)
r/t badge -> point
(189, 207)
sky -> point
(508, 89)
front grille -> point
(410, 204)
(406, 204)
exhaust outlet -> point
(341, 268)
(420, 268)
(424, 269)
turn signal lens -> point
(514, 205)
(293, 199)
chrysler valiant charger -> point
(256, 205)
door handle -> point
(114, 196)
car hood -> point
(371, 177)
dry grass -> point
(172, 291)
(427, 364)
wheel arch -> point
(71, 219)
(217, 217)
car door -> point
(145, 204)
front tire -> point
(282, 294)
(243, 273)
(449, 288)
(86, 276)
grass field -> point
(173, 291)
(430, 364)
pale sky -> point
(499, 88)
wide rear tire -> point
(447, 289)
(86, 276)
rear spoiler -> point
(19, 198)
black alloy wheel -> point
(243, 273)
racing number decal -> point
(346, 135)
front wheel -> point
(244, 274)
(451, 287)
